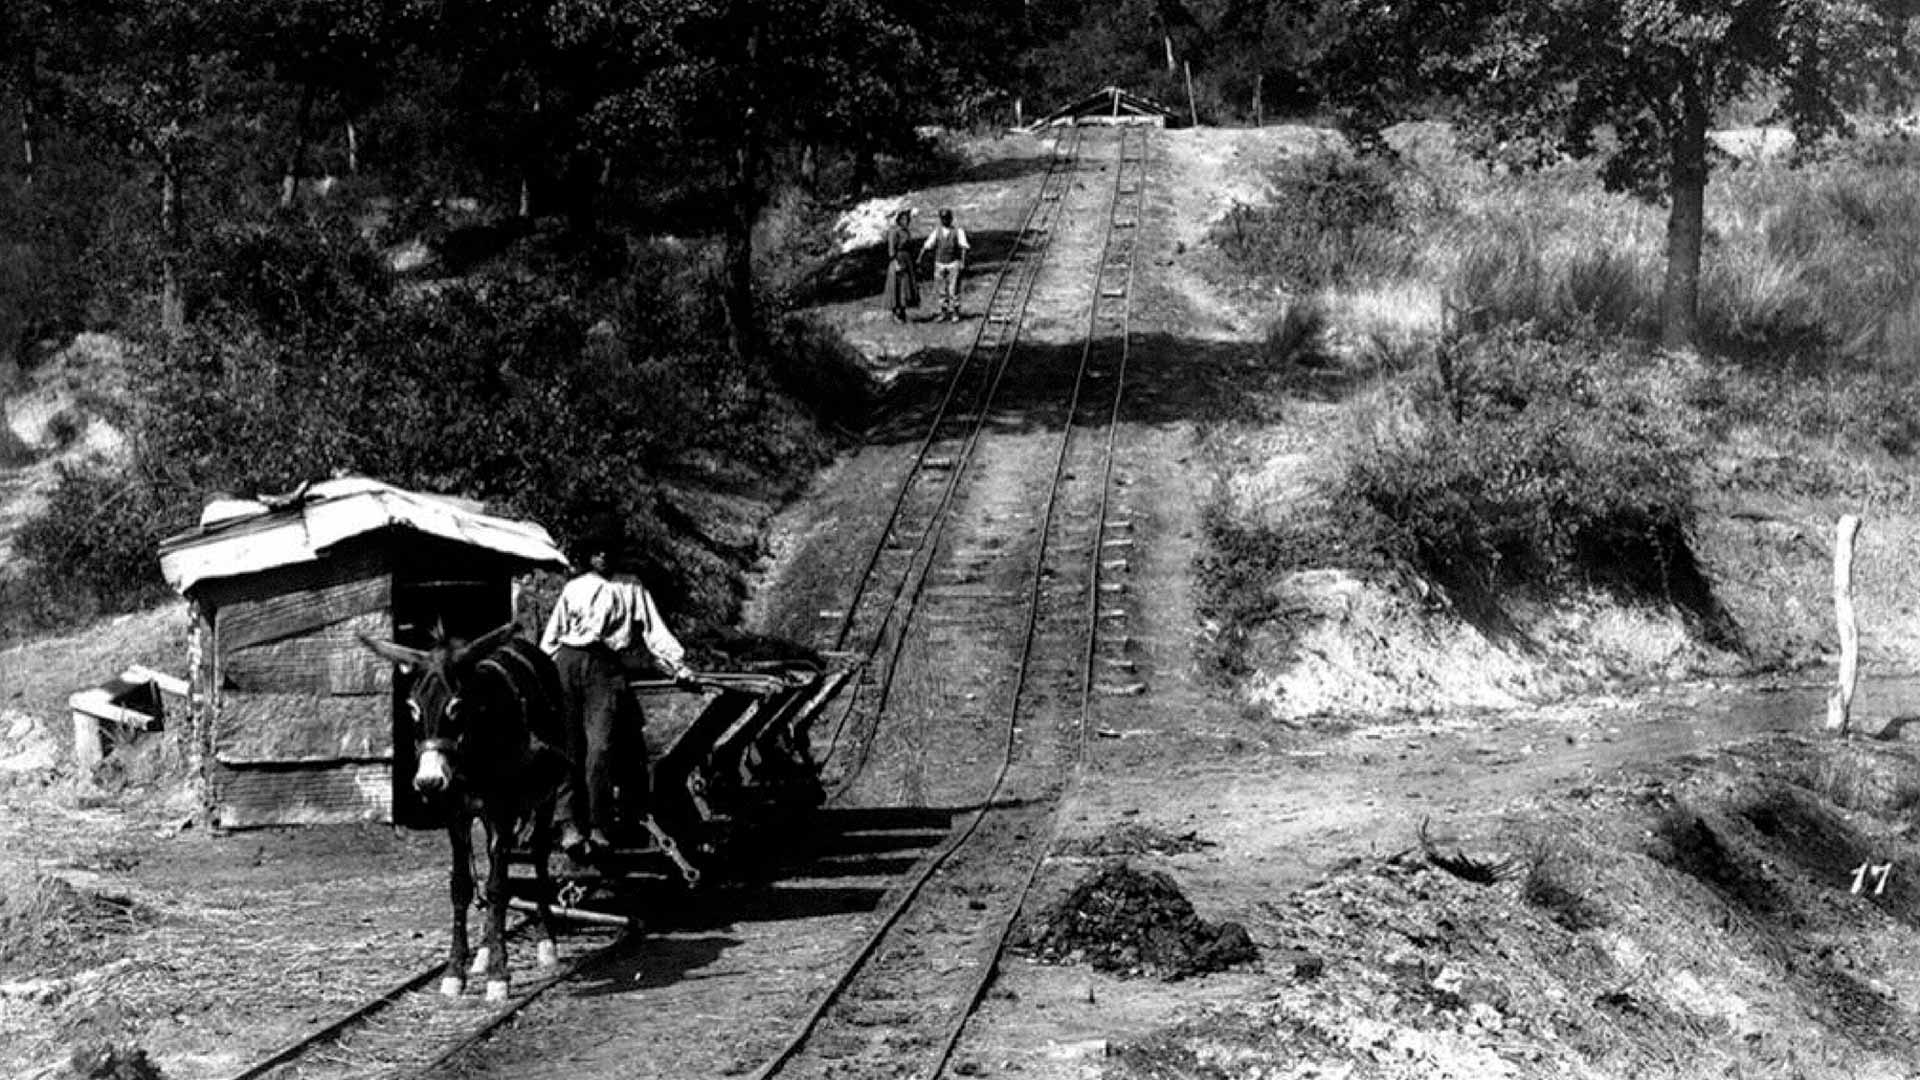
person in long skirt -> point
(903, 291)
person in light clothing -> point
(948, 246)
(598, 618)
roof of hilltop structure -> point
(1110, 105)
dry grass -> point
(36, 677)
(50, 928)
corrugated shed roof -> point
(246, 536)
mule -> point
(488, 735)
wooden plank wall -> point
(338, 794)
(301, 720)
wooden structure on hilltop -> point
(1109, 105)
(294, 721)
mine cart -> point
(745, 760)
(730, 768)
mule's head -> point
(444, 711)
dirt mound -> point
(1133, 922)
(48, 926)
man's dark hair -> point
(946, 217)
(603, 536)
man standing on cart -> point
(600, 617)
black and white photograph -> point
(1021, 539)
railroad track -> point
(920, 972)
(888, 585)
(412, 1028)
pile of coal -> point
(104, 1061)
(1133, 922)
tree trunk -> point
(296, 159)
(810, 167)
(173, 307)
(743, 326)
(530, 165)
(1686, 222)
(353, 148)
(29, 119)
(865, 170)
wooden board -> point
(243, 798)
(302, 611)
(327, 661)
(270, 728)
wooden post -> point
(1841, 703)
(1259, 112)
(1193, 110)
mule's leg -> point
(483, 956)
(460, 889)
(545, 952)
(499, 852)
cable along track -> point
(903, 1001)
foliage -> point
(1529, 459)
(1150, 46)
(534, 395)
(93, 546)
(1332, 219)
(1509, 275)
(1635, 85)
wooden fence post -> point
(1840, 704)
(1193, 110)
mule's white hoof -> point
(546, 954)
(452, 985)
(496, 991)
(480, 958)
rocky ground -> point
(1607, 856)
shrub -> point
(546, 398)
(1332, 219)
(1536, 460)
(1510, 275)
(93, 547)
(1298, 336)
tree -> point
(338, 52)
(730, 81)
(1634, 83)
(149, 76)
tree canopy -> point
(1636, 84)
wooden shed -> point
(294, 721)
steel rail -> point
(871, 944)
(978, 991)
(905, 592)
(298, 1057)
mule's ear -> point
(479, 647)
(408, 659)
